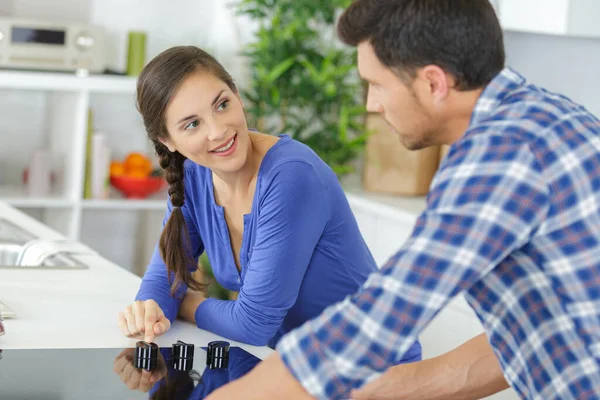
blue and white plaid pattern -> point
(513, 220)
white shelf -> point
(124, 204)
(66, 82)
(18, 197)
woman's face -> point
(206, 123)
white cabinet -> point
(558, 17)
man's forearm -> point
(471, 371)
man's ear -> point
(438, 81)
(167, 144)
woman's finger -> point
(122, 323)
(150, 318)
(139, 312)
(130, 317)
(145, 383)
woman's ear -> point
(167, 144)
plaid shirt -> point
(513, 221)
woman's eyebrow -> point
(217, 98)
(186, 118)
(194, 115)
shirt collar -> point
(494, 93)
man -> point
(512, 219)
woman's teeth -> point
(227, 147)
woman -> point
(271, 215)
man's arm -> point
(471, 371)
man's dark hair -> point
(463, 37)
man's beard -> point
(413, 143)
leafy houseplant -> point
(214, 289)
(303, 82)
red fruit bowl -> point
(138, 188)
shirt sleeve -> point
(292, 216)
(155, 283)
(487, 200)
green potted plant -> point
(214, 289)
(303, 81)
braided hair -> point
(156, 86)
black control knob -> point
(146, 355)
(182, 356)
(217, 355)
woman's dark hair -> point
(463, 37)
(156, 86)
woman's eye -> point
(223, 105)
(192, 125)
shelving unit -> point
(116, 204)
(50, 110)
(64, 82)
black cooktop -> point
(142, 372)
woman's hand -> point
(143, 318)
(136, 378)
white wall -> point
(76, 10)
(564, 64)
(205, 23)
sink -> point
(10, 255)
(21, 249)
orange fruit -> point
(117, 168)
(137, 164)
(137, 173)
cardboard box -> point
(391, 168)
(443, 151)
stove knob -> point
(217, 354)
(146, 355)
(182, 356)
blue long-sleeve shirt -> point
(301, 249)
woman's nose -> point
(217, 133)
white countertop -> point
(78, 308)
